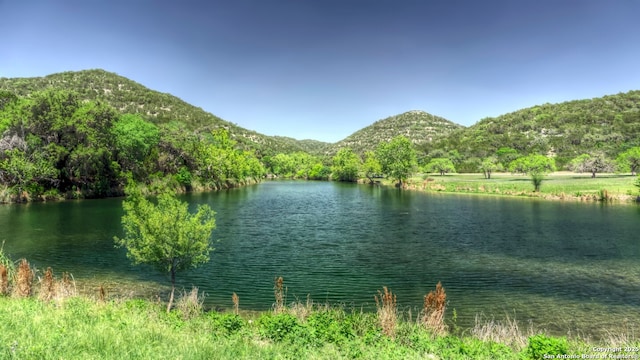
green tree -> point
(345, 165)
(134, 140)
(440, 165)
(397, 158)
(166, 235)
(490, 165)
(593, 164)
(629, 160)
(371, 166)
(537, 166)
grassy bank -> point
(42, 317)
(81, 328)
(556, 186)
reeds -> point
(435, 303)
(387, 311)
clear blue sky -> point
(323, 69)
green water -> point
(565, 267)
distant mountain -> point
(418, 126)
(131, 97)
(609, 124)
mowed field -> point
(559, 185)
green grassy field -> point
(559, 185)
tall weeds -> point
(387, 311)
(47, 286)
(236, 303)
(23, 286)
(279, 294)
(435, 303)
(190, 304)
(4, 280)
(505, 332)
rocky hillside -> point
(420, 127)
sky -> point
(323, 69)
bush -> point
(329, 326)
(229, 323)
(541, 345)
(278, 327)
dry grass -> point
(623, 338)
(505, 332)
(23, 285)
(66, 287)
(303, 310)
(47, 286)
(387, 311)
(236, 303)
(4, 280)
(190, 304)
(435, 303)
(279, 293)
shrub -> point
(229, 323)
(541, 345)
(329, 326)
(278, 327)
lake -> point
(563, 266)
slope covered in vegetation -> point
(129, 97)
(609, 124)
(417, 126)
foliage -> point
(298, 165)
(537, 166)
(609, 124)
(629, 160)
(490, 165)
(593, 164)
(371, 167)
(158, 108)
(440, 165)
(279, 327)
(397, 158)
(134, 140)
(541, 346)
(166, 235)
(346, 165)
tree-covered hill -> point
(418, 126)
(609, 124)
(130, 97)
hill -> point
(128, 96)
(609, 124)
(418, 126)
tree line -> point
(54, 145)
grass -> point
(81, 328)
(557, 186)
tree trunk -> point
(488, 174)
(593, 174)
(173, 287)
